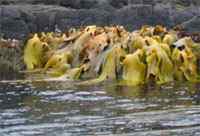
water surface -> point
(63, 109)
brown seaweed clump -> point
(96, 54)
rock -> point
(45, 21)
(151, 2)
(48, 2)
(180, 16)
(14, 28)
(185, 3)
(161, 15)
(133, 16)
(1, 23)
(196, 2)
(79, 4)
(192, 25)
(20, 17)
(10, 61)
(73, 18)
(136, 2)
(119, 3)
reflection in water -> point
(60, 108)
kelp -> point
(159, 64)
(134, 69)
(34, 52)
(185, 62)
(109, 65)
(95, 54)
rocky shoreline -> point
(19, 18)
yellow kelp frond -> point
(98, 54)
(170, 38)
(159, 64)
(159, 30)
(138, 42)
(157, 38)
(146, 31)
(185, 64)
(78, 44)
(134, 69)
(196, 49)
(110, 64)
(33, 53)
(74, 73)
(58, 71)
(166, 48)
(150, 40)
(152, 63)
(53, 40)
(57, 60)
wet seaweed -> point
(112, 53)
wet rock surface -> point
(19, 17)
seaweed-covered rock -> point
(10, 58)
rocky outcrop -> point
(11, 60)
(19, 17)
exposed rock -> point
(161, 15)
(119, 3)
(24, 17)
(79, 4)
(10, 59)
(192, 25)
(18, 18)
(133, 16)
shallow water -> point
(62, 109)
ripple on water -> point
(48, 109)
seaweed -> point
(97, 54)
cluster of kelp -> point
(95, 54)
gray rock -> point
(11, 61)
(10, 12)
(79, 4)
(185, 3)
(118, 3)
(1, 23)
(9, 2)
(180, 16)
(161, 15)
(20, 19)
(151, 2)
(135, 1)
(133, 16)
(14, 28)
(192, 25)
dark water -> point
(61, 109)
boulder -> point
(19, 17)
(192, 25)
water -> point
(63, 109)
